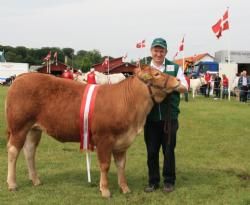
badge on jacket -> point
(170, 68)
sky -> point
(114, 27)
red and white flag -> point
(221, 25)
(176, 54)
(141, 44)
(181, 47)
(47, 58)
(55, 57)
(105, 62)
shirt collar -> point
(160, 68)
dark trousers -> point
(243, 94)
(217, 91)
(207, 90)
(186, 96)
(155, 138)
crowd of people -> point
(218, 87)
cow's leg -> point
(120, 161)
(29, 149)
(193, 91)
(14, 145)
(104, 157)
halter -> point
(149, 85)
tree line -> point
(81, 59)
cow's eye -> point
(157, 74)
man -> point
(207, 86)
(225, 86)
(162, 123)
(244, 85)
(91, 77)
(217, 82)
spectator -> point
(224, 86)
(91, 77)
(217, 83)
(207, 86)
(235, 87)
(244, 85)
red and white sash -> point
(86, 111)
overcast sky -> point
(114, 27)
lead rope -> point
(168, 121)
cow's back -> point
(44, 100)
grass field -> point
(212, 153)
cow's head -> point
(157, 79)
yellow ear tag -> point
(147, 76)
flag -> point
(47, 57)
(217, 27)
(105, 62)
(176, 55)
(221, 25)
(55, 57)
(181, 47)
(141, 44)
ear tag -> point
(147, 76)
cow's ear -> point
(137, 70)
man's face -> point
(158, 54)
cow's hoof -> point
(12, 188)
(106, 193)
(125, 190)
(36, 182)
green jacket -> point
(160, 110)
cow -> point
(195, 84)
(40, 102)
(102, 78)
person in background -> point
(207, 87)
(91, 77)
(161, 125)
(188, 83)
(217, 84)
(224, 86)
(244, 85)
(235, 86)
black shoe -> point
(168, 187)
(151, 188)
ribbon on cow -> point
(86, 112)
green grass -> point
(212, 153)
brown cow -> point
(39, 102)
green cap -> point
(159, 42)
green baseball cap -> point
(159, 42)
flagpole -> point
(108, 72)
(183, 54)
(228, 44)
(49, 66)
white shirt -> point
(244, 81)
(180, 74)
